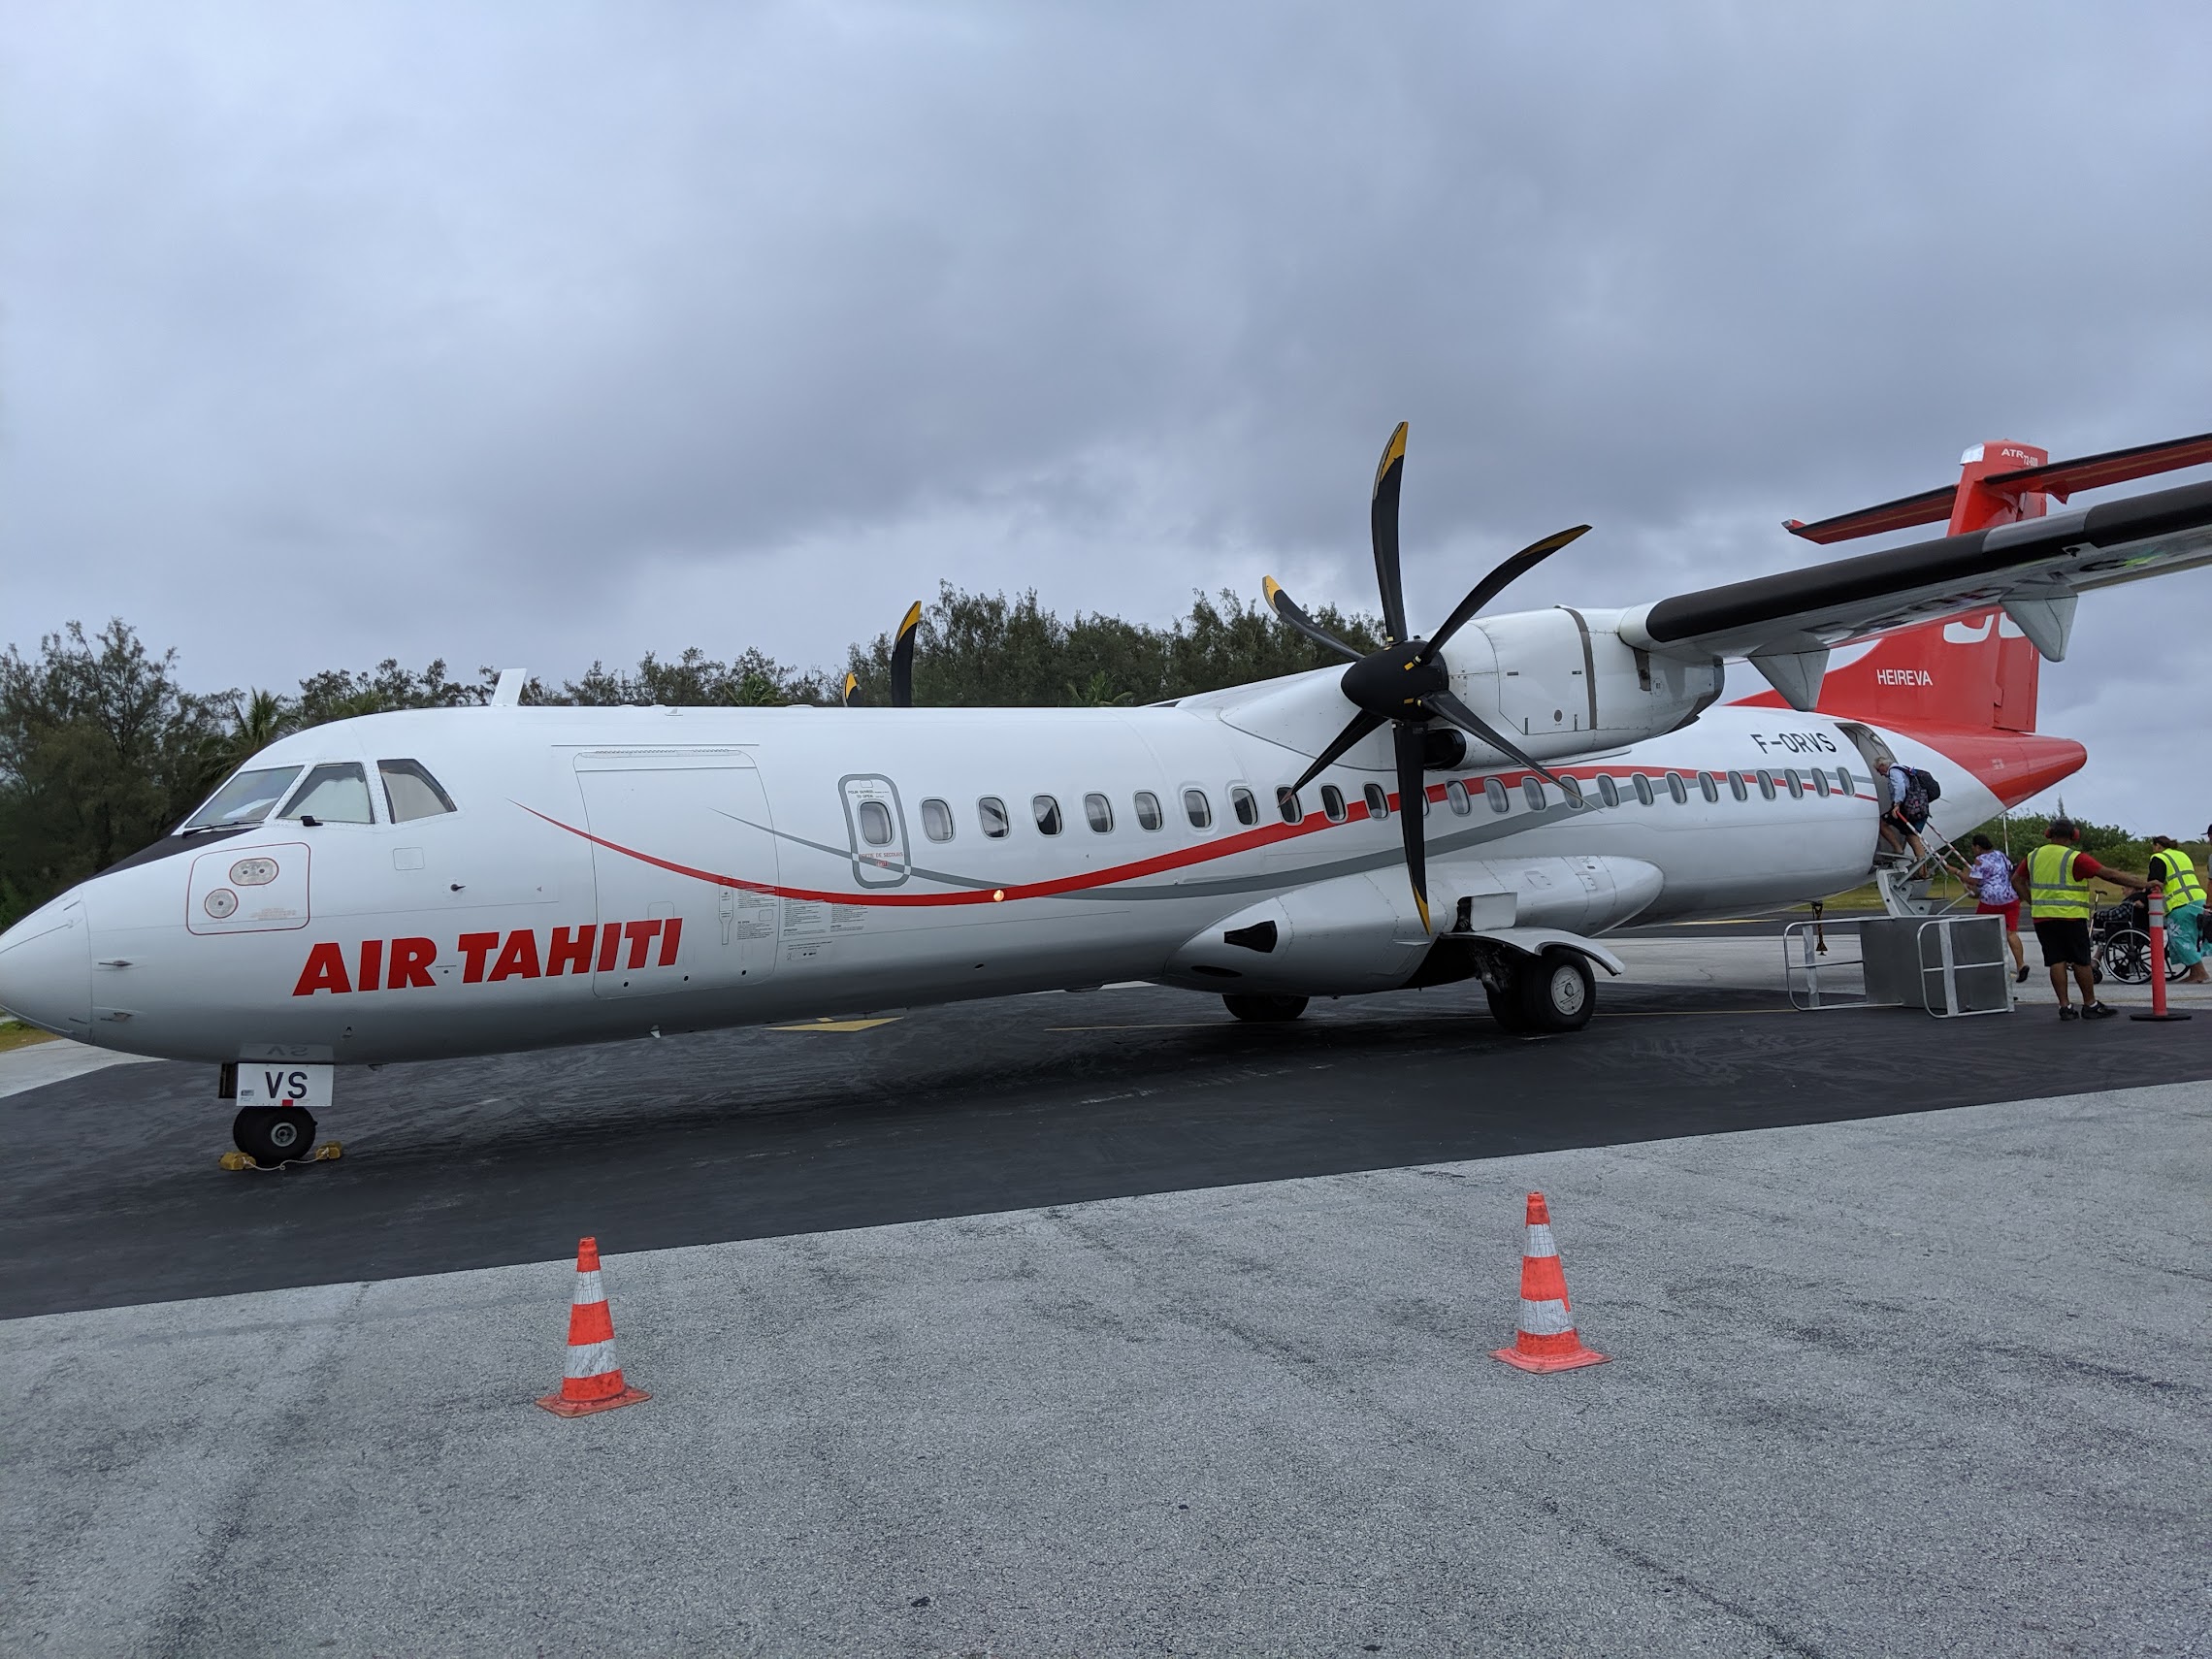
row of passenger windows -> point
(997, 822)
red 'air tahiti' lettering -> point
(325, 971)
(401, 964)
(519, 960)
(570, 950)
(410, 964)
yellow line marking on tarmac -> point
(1161, 1025)
(840, 1025)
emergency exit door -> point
(684, 864)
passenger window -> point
(1796, 784)
(1643, 794)
(875, 823)
(411, 792)
(1842, 781)
(1247, 808)
(1455, 792)
(1571, 789)
(245, 799)
(1708, 786)
(1766, 783)
(1149, 815)
(1494, 791)
(1534, 792)
(1199, 809)
(1287, 805)
(1332, 803)
(936, 821)
(1820, 782)
(1735, 787)
(1098, 813)
(1377, 803)
(1047, 811)
(1609, 792)
(334, 793)
(991, 811)
(1677, 791)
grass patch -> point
(14, 1034)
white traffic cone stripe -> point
(1539, 1240)
(591, 1359)
(587, 1290)
(1546, 1318)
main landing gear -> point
(270, 1135)
(1265, 1010)
(1554, 992)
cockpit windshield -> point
(248, 799)
(337, 792)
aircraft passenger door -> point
(684, 863)
(877, 829)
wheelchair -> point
(2119, 943)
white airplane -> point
(437, 882)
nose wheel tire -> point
(273, 1135)
(1555, 991)
(1265, 1010)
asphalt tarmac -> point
(1930, 1384)
(113, 1197)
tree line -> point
(103, 748)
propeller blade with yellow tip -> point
(903, 658)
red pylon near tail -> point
(1548, 1340)
(594, 1381)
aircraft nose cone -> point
(46, 969)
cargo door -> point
(684, 865)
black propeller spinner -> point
(1404, 684)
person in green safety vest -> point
(2055, 877)
(2184, 908)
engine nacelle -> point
(1560, 682)
(1565, 682)
(1359, 933)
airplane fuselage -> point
(607, 873)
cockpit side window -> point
(247, 798)
(337, 792)
(411, 792)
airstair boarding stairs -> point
(1926, 952)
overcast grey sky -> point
(534, 333)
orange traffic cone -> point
(594, 1381)
(1548, 1340)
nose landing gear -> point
(271, 1135)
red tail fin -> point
(1974, 673)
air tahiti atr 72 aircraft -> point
(1476, 804)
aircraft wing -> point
(2033, 569)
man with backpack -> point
(2056, 878)
(1912, 793)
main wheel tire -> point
(270, 1135)
(1557, 990)
(1265, 1010)
(1505, 1008)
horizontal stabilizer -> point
(2056, 478)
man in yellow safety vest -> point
(2055, 877)
(2184, 906)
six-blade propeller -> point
(1405, 685)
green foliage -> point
(2107, 843)
(100, 752)
(752, 679)
(986, 650)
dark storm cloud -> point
(547, 330)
